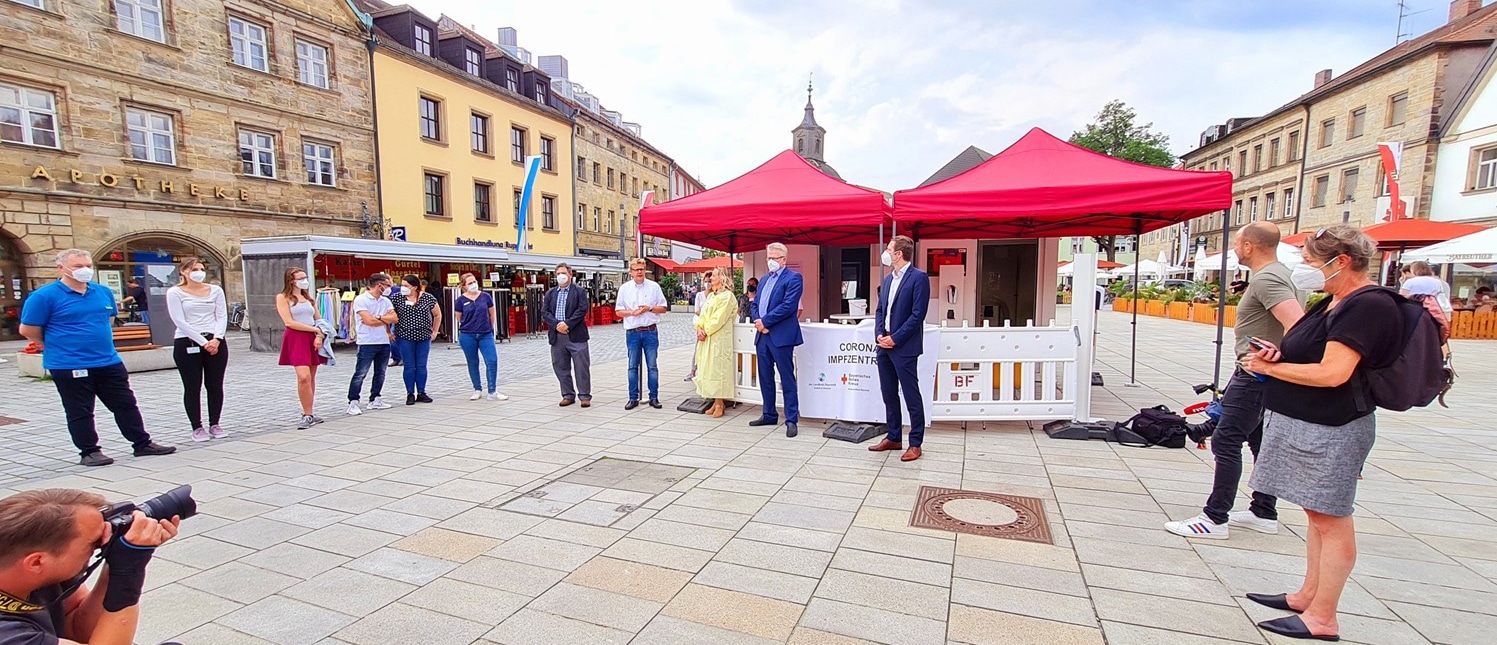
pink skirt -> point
(296, 348)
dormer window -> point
(473, 61)
(423, 40)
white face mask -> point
(473, 287)
(562, 279)
(303, 284)
(197, 276)
(85, 274)
(774, 265)
(886, 258)
(1308, 278)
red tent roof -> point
(784, 200)
(670, 266)
(1298, 239)
(703, 266)
(1044, 187)
(1416, 233)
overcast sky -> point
(904, 85)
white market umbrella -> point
(1199, 264)
(1476, 248)
(1067, 271)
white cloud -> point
(904, 86)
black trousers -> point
(896, 374)
(111, 385)
(199, 369)
(1241, 422)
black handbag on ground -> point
(1156, 426)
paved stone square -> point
(474, 522)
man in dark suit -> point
(779, 334)
(565, 312)
(899, 328)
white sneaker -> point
(1199, 526)
(353, 408)
(498, 396)
(378, 403)
(1246, 520)
(477, 394)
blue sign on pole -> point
(532, 168)
(397, 233)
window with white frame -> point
(249, 43)
(152, 136)
(321, 163)
(257, 152)
(28, 116)
(423, 40)
(30, 3)
(311, 64)
(143, 18)
(1252, 209)
(512, 79)
(1288, 203)
(1268, 206)
(1486, 169)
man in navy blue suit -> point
(899, 328)
(779, 334)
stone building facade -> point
(145, 135)
(614, 167)
(1400, 96)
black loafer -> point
(410, 399)
(761, 421)
(153, 448)
(1293, 627)
(631, 405)
(1274, 601)
(421, 397)
(791, 430)
(655, 403)
(96, 458)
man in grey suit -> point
(565, 312)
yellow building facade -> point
(452, 147)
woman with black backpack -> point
(1320, 427)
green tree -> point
(1116, 133)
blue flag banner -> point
(532, 168)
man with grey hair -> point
(565, 311)
(72, 319)
(775, 320)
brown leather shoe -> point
(587, 403)
(912, 454)
(885, 444)
(565, 402)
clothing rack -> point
(535, 296)
(503, 302)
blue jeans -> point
(414, 370)
(377, 356)
(473, 345)
(646, 345)
(395, 351)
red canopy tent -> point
(1044, 187)
(703, 266)
(785, 200)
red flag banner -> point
(1392, 155)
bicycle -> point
(1199, 432)
(239, 316)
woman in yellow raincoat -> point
(715, 357)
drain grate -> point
(1009, 517)
(5, 421)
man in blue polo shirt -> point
(71, 318)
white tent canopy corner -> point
(1476, 248)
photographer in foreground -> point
(47, 538)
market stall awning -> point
(1298, 239)
(1044, 187)
(784, 200)
(1403, 234)
(670, 266)
(703, 266)
(1477, 248)
(416, 251)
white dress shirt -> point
(634, 295)
(897, 275)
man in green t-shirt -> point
(1269, 306)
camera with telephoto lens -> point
(176, 502)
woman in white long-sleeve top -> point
(200, 316)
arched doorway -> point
(13, 288)
(153, 259)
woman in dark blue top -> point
(476, 319)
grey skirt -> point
(1313, 465)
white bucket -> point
(857, 307)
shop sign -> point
(508, 246)
(344, 267)
(138, 183)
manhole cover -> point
(1002, 516)
(5, 421)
